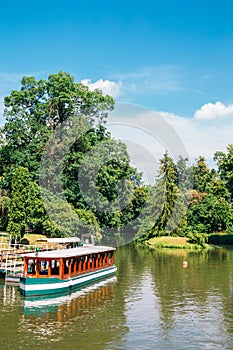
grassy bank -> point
(32, 237)
(172, 242)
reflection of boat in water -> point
(50, 315)
(85, 297)
(60, 271)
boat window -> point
(31, 267)
(54, 265)
(73, 265)
(43, 268)
(66, 266)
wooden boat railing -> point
(66, 268)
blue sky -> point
(171, 56)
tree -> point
(39, 117)
(201, 175)
(19, 206)
(4, 206)
(165, 213)
(98, 177)
(27, 212)
(184, 174)
(33, 112)
(225, 167)
(210, 214)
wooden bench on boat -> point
(57, 271)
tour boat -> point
(64, 270)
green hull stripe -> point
(76, 283)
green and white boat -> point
(65, 270)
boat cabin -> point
(67, 263)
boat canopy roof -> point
(62, 240)
(69, 253)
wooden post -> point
(83, 265)
(61, 268)
(69, 269)
(88, 262)
(49, 268)
(101, 260)
(25, 266)
(74, 264)
(37, 267)
(79, 262)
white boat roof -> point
(69, 253)
(61, 240)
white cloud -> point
(190, 137)
(202, 136)
(108, 87)
(210, 111)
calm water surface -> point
(154, 303)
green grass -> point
(4, 238)
(172, 243)
(31, 237)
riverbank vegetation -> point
(196, 204)
(192, 202)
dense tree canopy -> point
(190, 199)
(225, 167)
(50, 111)
(62, 173)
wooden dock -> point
(11, 258)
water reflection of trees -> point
(208, 277)
(100, 318)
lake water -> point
(153, 303)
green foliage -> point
(19, 216)
(197, 238)
(98, 177)
(4, 207)
(211, 214)
(184, 174)
(88, 175)
(207, 209)
(165, 210)
(88, 222)
(34, 114)
(201, 175)
(225, 167)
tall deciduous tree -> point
(4, 207)
(19, 211)
(210, 214)
(35, 114)
(225, 167)
(34, 111)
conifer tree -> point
(165, 212)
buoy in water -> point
(185, 264)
